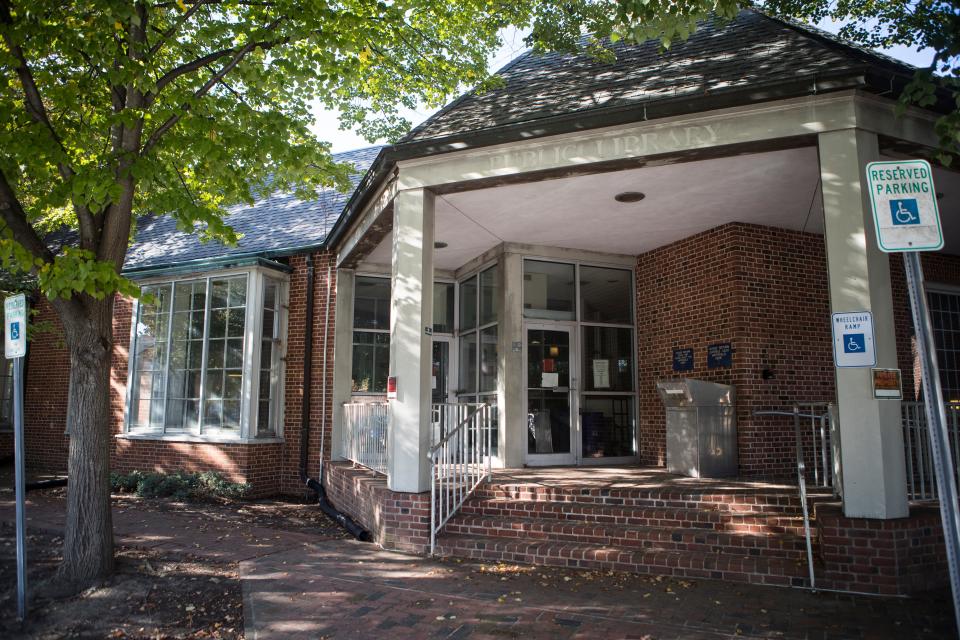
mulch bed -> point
(150, 595)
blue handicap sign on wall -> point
(905, 211)
(854, 343)
(14, 330)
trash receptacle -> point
(701, 428)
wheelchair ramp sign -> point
(904, 206)
(853, 339)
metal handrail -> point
(459, 462)
(822, 418)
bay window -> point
(206, 356)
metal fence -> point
(460, 459)
(921, 481)
(364, 437)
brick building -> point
(522, 270)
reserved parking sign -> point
(904, 203)
(15, 326)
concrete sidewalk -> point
(298, 585)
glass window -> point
(443, 302)
(224, 371)
(488, 359)
(149, 358)
(489, 300)
(269, 381)
(548, 290)
(371, 303)
(607, 425)
(189, 358)
(606, 295)
(607, 359)
(468, 363)
(945, 317)
(371, 336)
(468, 304)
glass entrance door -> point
(551, 395)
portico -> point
(543, 211)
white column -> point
(874, 479)
(512, 380)
(411, 313)
(342, 357)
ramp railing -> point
(459, 461)
(921, 481)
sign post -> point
(908, 221)
(15, 348)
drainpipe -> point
(342, 519)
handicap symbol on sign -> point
(14, 330)
(905, 211)
(855, 343)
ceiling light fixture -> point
(630, 196)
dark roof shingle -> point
(752, 50)
(275, 223)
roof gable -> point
(752, 50)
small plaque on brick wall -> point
(683, 359)
(719, 356)
(886, 384)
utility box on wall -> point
(701, 429)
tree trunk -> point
(88, 539)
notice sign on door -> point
(15, 326)
(904, 206)
(853, 339)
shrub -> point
(179, 485)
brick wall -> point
(762, 289)
(45, 392)
(397, 521)
(889, 557)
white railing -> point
(460, 458)
(364, 436)
(921, 481)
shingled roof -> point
(753, 50)
(275, 224)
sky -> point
(327, 127)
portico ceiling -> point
(776, 188)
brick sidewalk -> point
(297, 585)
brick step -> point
(680, 564)
(732, 501)
(655, 517)
(631, 537)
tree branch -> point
(13, 215)
(166, 35)
(212, 82)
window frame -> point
(354, 330)
(252, 339)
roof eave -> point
(601, 117)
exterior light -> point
(440, 245)
(630, 196)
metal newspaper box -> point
(701, 428)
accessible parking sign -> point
(853, 339)
(904, 206)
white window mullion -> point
(251, 355)
(203, 357)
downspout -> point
(340, 518)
